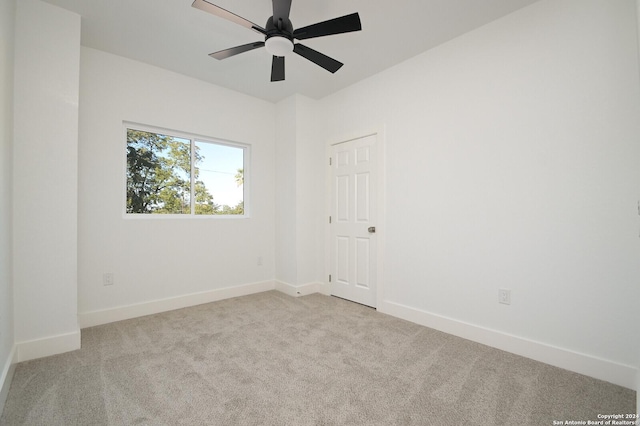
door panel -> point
(342, 260)
(342, 198)
(362, 191)
(353, 247)
(362, 262)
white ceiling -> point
(173, 35)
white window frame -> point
(193, 137)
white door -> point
(353, 220)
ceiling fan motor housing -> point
(283, 28)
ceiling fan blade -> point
(344, 24)
(277, 68)
(318, 58)
(226, 53)
(225, 14)
(281, 9)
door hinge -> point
(329, 277)
(329, 219)
(329, 160)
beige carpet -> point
(269, 359)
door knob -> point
(372, 229)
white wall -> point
(299, 182)
(285, 192)
(45, 164)
(7, 24)
(311, 166)
(512, 162)
(153, 258)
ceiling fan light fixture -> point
(278, 46)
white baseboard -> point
(6, 377)
(324, 288)
(297, 291)
(619, 374)
(106, 316)
(40, 348)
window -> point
(180, 174)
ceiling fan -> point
(279, 35)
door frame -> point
(379, 132)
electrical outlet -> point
(504, 296)
(107, 278)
